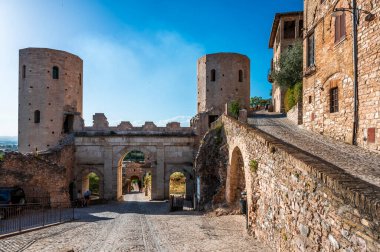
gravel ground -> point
(354, 160)
(138, 225)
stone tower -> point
(50, 97)
(222, 77)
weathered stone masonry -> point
(298, 202)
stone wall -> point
(298, 202)
(334, 68)
(295, 114)
(32, 171)
(369, 77)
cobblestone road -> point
(356, 161)
(138, 225)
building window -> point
(310, 99)
(334, 102)
(212, 74)
(289, 29)
(240, 75)
(340, 28)
(310, 50)
(55, 72)
(23, 71)
(37, 116)
(80, 79)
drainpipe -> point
(355, 21)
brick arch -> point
(236, 182)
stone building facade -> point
(328, 84)
(286, 29)
(50, 97)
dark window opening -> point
(310, 50)
(240, 75)
(55, 73)
(289, 29)
(334, 100)
(80, 79)
(23, 71)
(213, 75)
(340, 28)
(68, 124)
(300, 28)
(211, 119)
(310, 99)
(37, 116)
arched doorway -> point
(92, 181)
(235, 178)
(133, 166)
(177, 184)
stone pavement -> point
(357, 161)
(138, 225)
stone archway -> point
(236, 182)
(149, 164)
(186, 170)
(82, 179)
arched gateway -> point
(165, 149)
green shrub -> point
(234, 108)
(297, 91)
(93, 182)
(289, 100)
(292, 96)
(253, 165)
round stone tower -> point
(50, 97)
(222, 77)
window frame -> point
(309, 62)
(334, 100)
(340, 28)
(55, 72)
(213, 75)
(241, 75)
(37, 116)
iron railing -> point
(18, 218)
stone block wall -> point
(369, 77)
(334, 68)
(298, 202)
(295, 114)
(30, 171)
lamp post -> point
(355, 22)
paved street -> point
(354, 160)
(138, 225)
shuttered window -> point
(340, 28)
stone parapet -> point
(297, 201)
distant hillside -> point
(8, 138)
(8, 143)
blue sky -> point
(139, 56)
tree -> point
(288, 69)
(259, 101)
